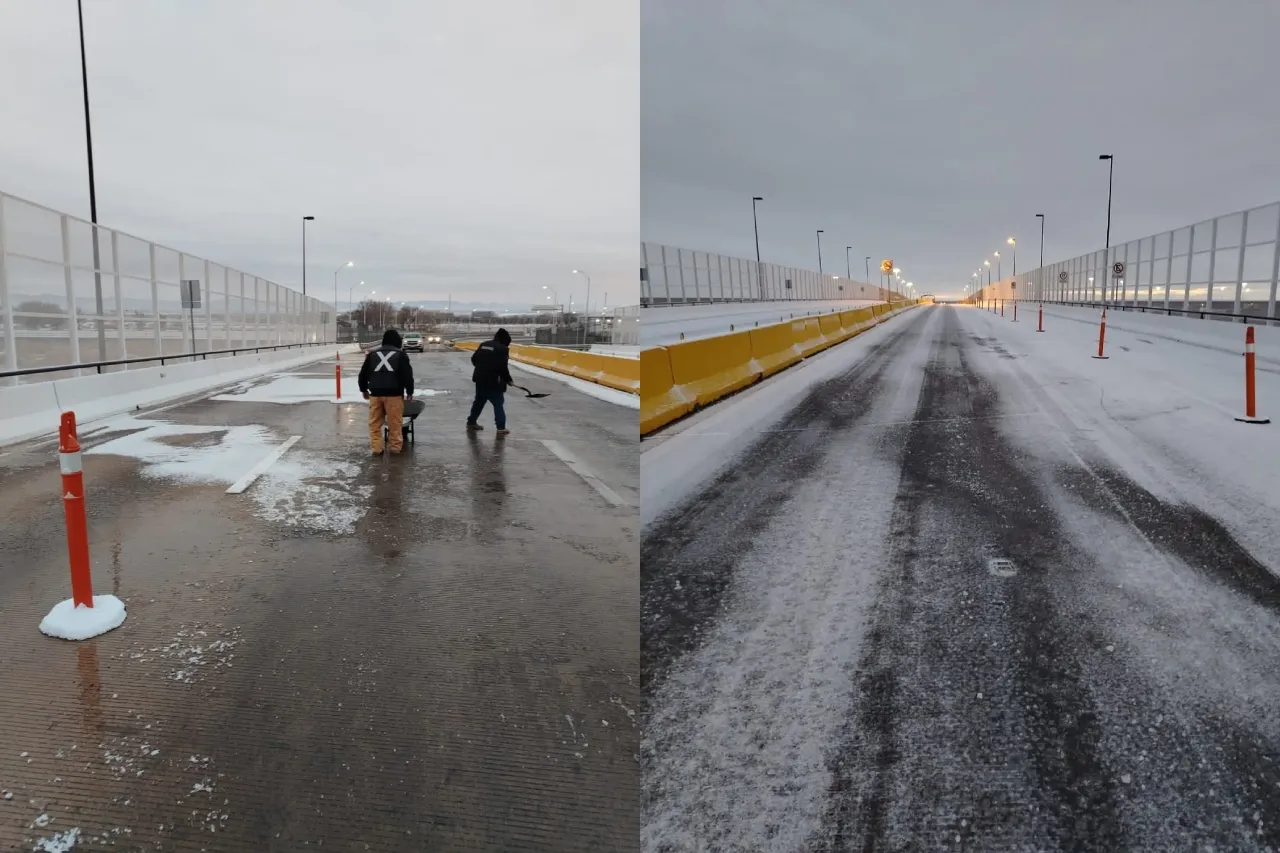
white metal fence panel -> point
(1228, 265)
(75, 294)
(674, 276)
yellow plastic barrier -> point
(622, 374)
(661, 401)
(808, 336)
(832, 330)
(678, 378)
(774, 348)
(710, 368)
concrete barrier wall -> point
(30, 411)
(680, 378)
(617, 372)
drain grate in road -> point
(1001, 567)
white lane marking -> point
(584, 472)
(258, 470)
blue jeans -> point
(489, 395)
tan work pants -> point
(390, 409)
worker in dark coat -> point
(491, 376)
(386, 381)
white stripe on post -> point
(70, 463)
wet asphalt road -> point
(896, 626)
(430, 652)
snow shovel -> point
(529, 394)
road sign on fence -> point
(886, 266)
(1117, 269)
(1062, 277)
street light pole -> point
(819, 251)
(755, 223)
(999, 271)
(587, 276)
(848, 270)
(1106, 255)
(335, 296)
(305, 220)
(868, 269)
(1040, 216)
(93, 194)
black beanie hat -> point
(503, 335)
(391, 338)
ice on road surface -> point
(664, 324)
(968, 588)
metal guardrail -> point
(1151, 309)
(176, 357)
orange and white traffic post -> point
(337, 377)
(1040, 319)
(1102, 335)
(72, 465)
(84, 614)
(1250, 388)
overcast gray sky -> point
(929, 131)
(481, 150)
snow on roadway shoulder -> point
(314, 491)
(591, 389)
(1160, 409)
(674, 465)
(665, 324)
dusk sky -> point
(931, 131)
(446, 148)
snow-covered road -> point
(664, 325)
(963, 587)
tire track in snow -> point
(687, 559)
(970, 724)
(735, 735)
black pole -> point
(868, 269)
(848, 270)
(191, 312)
(1040, 216)
(1106, 255)
(819, 251)
(93, 194)
(304, 253)
(755, 223)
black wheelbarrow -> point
(412, 408)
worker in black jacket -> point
(386, 381)
(492, 377)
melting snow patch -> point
(222, 458)
(312, 493)
(69, 622)
(62, 842)
(308, 490)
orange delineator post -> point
(337, 376)
(1250, 388)
(1102, 334)
(1040, 321)
(72, 466)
